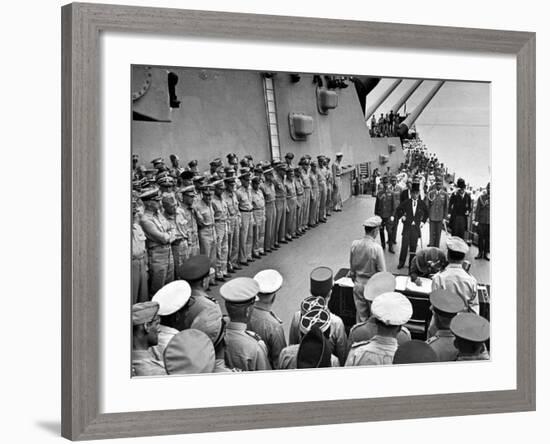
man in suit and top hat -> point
(413, 213)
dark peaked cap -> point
(314, 350)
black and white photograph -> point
(287, 220)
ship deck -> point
(328, 245)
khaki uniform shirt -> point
(245, 349)
(221, 210)
(270, 328)
(232, 203)
(205, 214)
(198, 301)
(442, 344)
(378, 351)
(457, 280)
(269, 192)
(305, 178)
(258, 200)
(366, 258)
(144, 363)
(365, 331)
(244, 196)
(156, 228)
(179, 224)
(138, 241)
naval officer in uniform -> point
(263, 320)
(471, 332)
(445, 305)
(392, 310)
(145, 322)
(244, 349)
(172, 299)
(366, 259)
(159, 235)
(380, 283)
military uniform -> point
(158, 233)
(280, 205)
(234, 222)
(180, 249)
(288, 358)
(244, 349)
(270, 215)
(314, 201)
(378, 351)
(306, 182)
(193, 244)
(322, 183)
(365, 331)
(396, 191)
(437, 203)
(385, 208)
(330, 186)
(337, 174)
(459, 281)
(291, 203)
(244, 196)
(198, 302)
(299, 201)
(470, 330)
(270, 328)
(221, 219)
(144, 363)
(258, 232)
(207, 230)
(366, 259)
(442, 344)
(139, 265)
(337, 337)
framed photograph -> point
(263, 215)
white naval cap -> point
(240, 290)
(269, 281)
(379, 283)
(455, 243)
(373, 222)
(172, 297)
(392, 308)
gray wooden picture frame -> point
(81, 168)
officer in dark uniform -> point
(460, 207)
(445, 305)
(385, 208)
